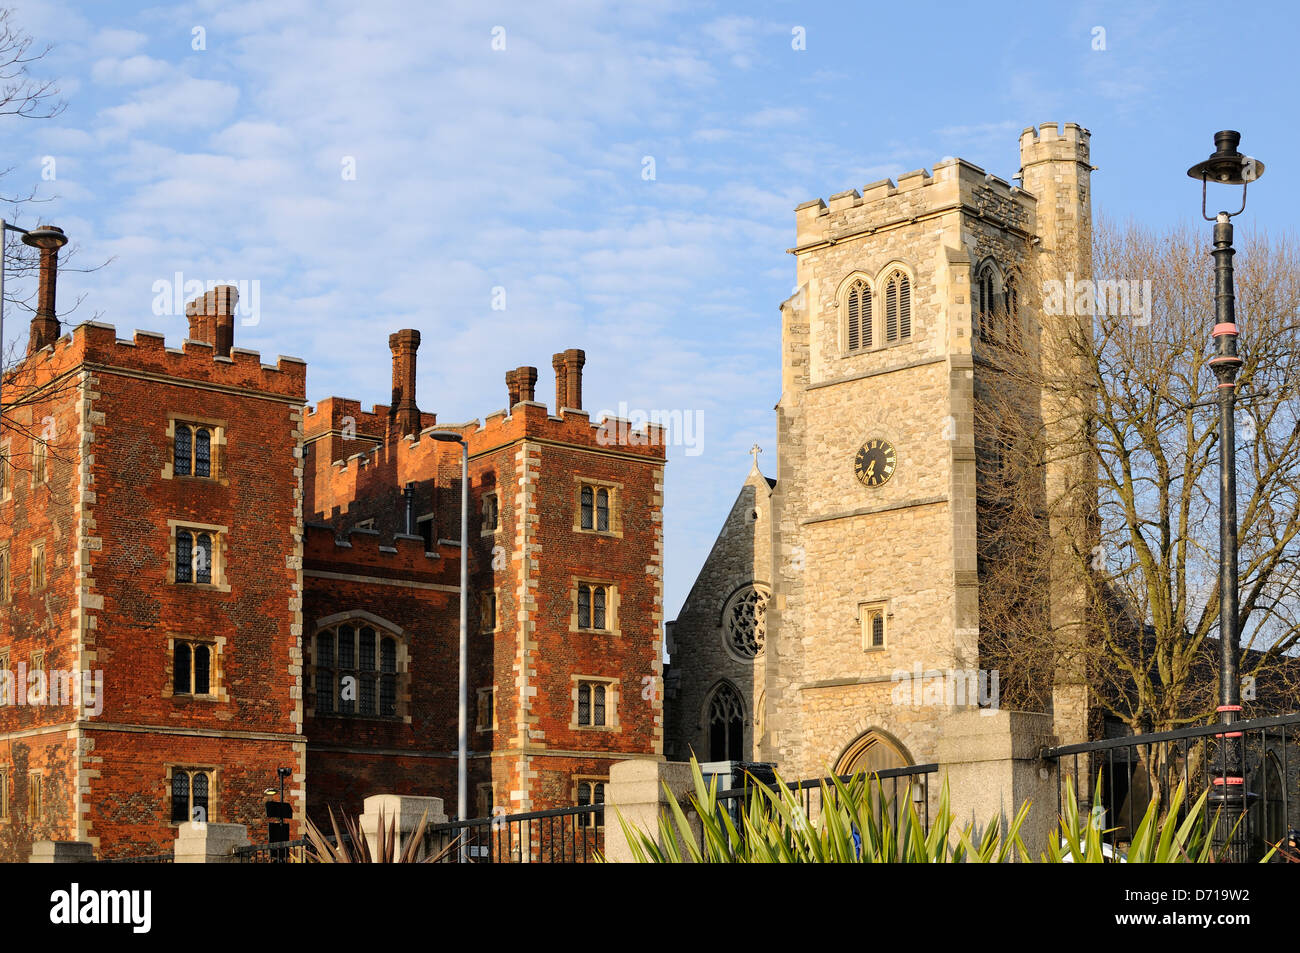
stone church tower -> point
(859, 562)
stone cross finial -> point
(754, 451)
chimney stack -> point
(45, 323)
(573, 360)
(212, 318)
(403, 413)
(512, 388)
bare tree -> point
(1145, 549)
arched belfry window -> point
(1011, 305)
(987, 283)
(726, 723)
(354, 671)
(857, 317)
(898, 307)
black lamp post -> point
(1227, 166)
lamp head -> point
(446, 436)
(1226, 165)
(45, 237)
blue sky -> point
(522, 168)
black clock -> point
(875, 463)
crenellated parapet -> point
(951, 185)
(364, 552)
(147, 352)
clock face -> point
(875, 463)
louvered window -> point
(898, 308)
(858, 317)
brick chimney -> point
(45, 323)
(568, 378)
(522, 383)
(403, 413)
(212, 318)
(512, 388)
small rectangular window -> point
(491, 514)
(486, 713)
(4, 794)
(197, 552)
(35, 801)
(592, 698)
(874, 627)
(595, 607)
(4, 575)
(192, 449)
(488, 612)
(191, 795)
(597, 506)
(40, 457)
(425, 527)
(38, 567)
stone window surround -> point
(40, 462)
(5, 591)
(866, 610)
(876, 287)
(6, 474)
(611, 703)
(496, 612)
(484, 528)
(478, 709)
(593, 780)
(612, 606)
(216, 668)
(218, 448)
(219, 555)
(358, 617)
(758, 586)
(35, 797)
(38, 558)
(5, 817)
(615, 506)
(214, 776)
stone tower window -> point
(726, 721)
(744, 622)
(190, 795)
(857, 317)
(898, 308)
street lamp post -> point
(462, 750)
(48, 240)
(1227, 166)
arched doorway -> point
(872, 751)
(725, 720)
(1268, 811)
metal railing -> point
(144, 859)
(1130, 772)
(913, 782)
(566, 835)
(285, 852)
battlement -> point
(366, 552)
(1050, 142)
(96, 343)
(886, 202)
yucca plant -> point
(857, 823)
(1158, 839)
(351, 846)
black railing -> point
(145, 859)
(566, 835)
(1129, 773)
(285, 852)
(912, 782)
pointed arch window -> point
(726, 724)
(987, 283)
(1011, 305)
(355, 672)
(857, 317)
(192, 450)
(898, 308)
